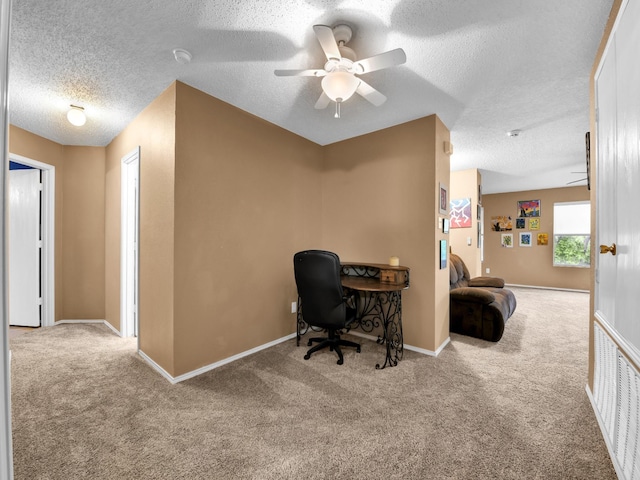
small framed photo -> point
(444, 200)
(506, 240)
(443, 254)
(543, 239)
(520, 223)
(525, 239)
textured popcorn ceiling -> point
(484, 66)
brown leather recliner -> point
(480, 306)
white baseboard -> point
(156, 367)
(206, 368)
(407, 347)
(545, 288)
(429, 352)
(104, 322)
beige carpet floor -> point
(86, 406)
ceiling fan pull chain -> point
(338, 102)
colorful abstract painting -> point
(501, 223)
(520, 223)
(460, 213)
(528, 208)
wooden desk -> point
(378, 290)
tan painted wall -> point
(82, 263)
(79, 222)
(154, 131)
(464, 184)
(380, 198)
(226, 200)
(615, 8)
(247, 198)
(530, 265)
(27, 144)
(440, 275)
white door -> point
(617, 302)
(606, 200)
(618, 181)
(24, 248)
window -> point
(572, 234)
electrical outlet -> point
(294, 307)
(487, 270)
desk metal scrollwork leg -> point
(390, 309)
(301, 325)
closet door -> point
(617, 303)
(24, 247)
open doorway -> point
(130, 207)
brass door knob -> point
(611, 249)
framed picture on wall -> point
(525, 239)
(543, 239)
(501, 223)
(443, 254)
(444, 199)
(461, 213)
(506, 240)
(528, 208)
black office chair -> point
(322, 300)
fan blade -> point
(323, 101)
(576, 181)
(370, 93)
(378, 62)
(327, 41)
(300, 73)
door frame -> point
(47, 279)
(129, 267)
(6, 447)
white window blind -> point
(573, 218)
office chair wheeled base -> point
(333, 342)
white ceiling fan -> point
(340, 71)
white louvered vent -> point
(616, 395)
(628, 419)
(605, 376)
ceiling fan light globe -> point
(340, 85)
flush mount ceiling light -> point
(181, 55)
(76, 116)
